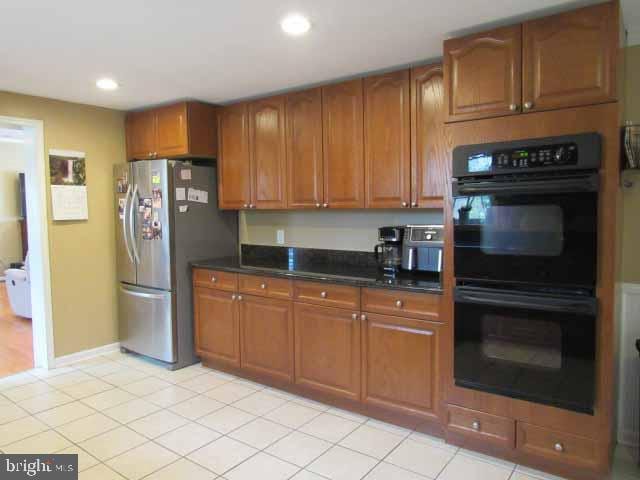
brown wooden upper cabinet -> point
(565, 60)
(303, 113)
(185, 129)
(387, 152)
(252, 159)
(342, 119)
(430, 143)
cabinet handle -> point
(233, 296)
(246, 205)
(405, 204)
(150, 154)
(528, 105)
(399, 303)
(513, 107)
(354, 316)
(239, 297)
(251, 205)
(558, 447)
(414, 204)
(214, 279)
(263, 286)
(476, 426)
(323, 294)
(325, 205)
(363, 317)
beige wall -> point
(332, 229)
(12, 162)
(82, 253)
(630, 241)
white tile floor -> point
(128, 418)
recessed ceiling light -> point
(295, 24)
(107, 84)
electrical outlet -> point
(280, 237)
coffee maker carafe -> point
(389, 252)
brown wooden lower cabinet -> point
(327, 350)
(217, 329)
(480, 426)
(266, 333)
(400, 364)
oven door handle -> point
(548, 304)
(586, 183)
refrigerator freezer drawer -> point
(147, 322)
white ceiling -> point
(222, 50)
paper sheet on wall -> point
(69, 202)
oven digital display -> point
(480, 162)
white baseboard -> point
(628, 392)
(86, 354)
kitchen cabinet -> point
(483, 74)
(303, 117)
(327, 350)
(217, 325)
(267, 153)
(185, 129)
(266, 332)
(400, 364)
(387, 135)
(430, 142)
(234, 172)
(570, 59)
(342, 121)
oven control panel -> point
(522, 158)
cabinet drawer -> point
(265, 286)
(499, 431)
(424, 306)
(214, 279)
(557, 446)
(327, 294)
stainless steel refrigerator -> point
(166, 216)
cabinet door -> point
(217, 329)
(327, 350)
(266, 333)
(570, 59)
(304, 149)
(342, 118)
(483, 74)
(400, 364)
(171, 131)
(387, 115)
(267, 150)
(429, 138)
(141, 134)
(234, 172)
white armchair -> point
(19, 289)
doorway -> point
(26, 333)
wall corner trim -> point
(85, 354)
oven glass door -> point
(531, 238)
(540, 349)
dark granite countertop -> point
(304, 265)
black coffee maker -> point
(389, 252)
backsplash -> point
(334, 229)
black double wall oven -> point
(525, 218)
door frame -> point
(38, 237)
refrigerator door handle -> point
(124, 223)
(142, 295)
(131, 227)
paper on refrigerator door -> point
(181, 194)
(199, 196)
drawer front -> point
(424, 306)
(265, 286)
(556, 446)
(482, 426)
(215, 279)
(328, 294)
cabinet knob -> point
(318, 205)
(405, 204)
(214, 279)
(263, 286)
(354, 316)
(325, 205)
(528, 105)
(233, 296)
(150, 154)
(251, 205)
(239, 297)
(513, 107)
(476, 425)
(363, 317)
(414, 204)
(323, 294)
(558, 447)
(246, 205)
(399, 303)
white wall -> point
(12, 162)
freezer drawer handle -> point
(124, 224)
(133, 240)
(152, 296)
